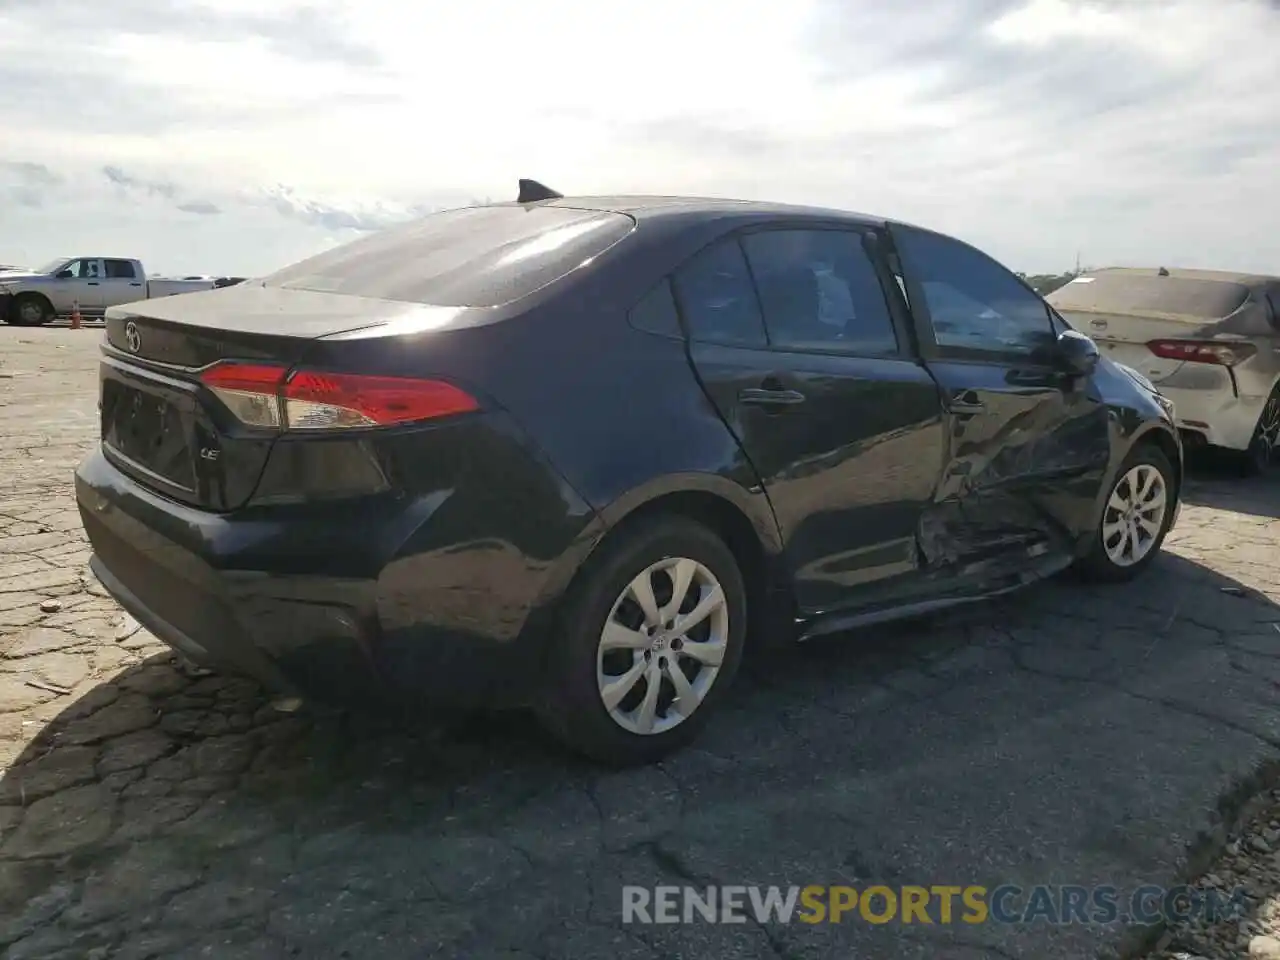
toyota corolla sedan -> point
(575, 454)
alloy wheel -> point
(1134, 515)
(30, 312)
(1267, 438)
(662, 646)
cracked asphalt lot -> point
(1066, 735)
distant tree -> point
(1045, 283)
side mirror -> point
(64, 275)
(1077, 355)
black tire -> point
(29, 301)
(571, 707)
(1097, 566)
(1263, 456)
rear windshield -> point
(474, 257)
(1121, 293)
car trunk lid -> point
(167, 429)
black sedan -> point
(575, 454)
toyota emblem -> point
(132, 339)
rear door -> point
(791, 336)
(1029, 446)
(122, 283)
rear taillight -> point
(1202, 351)
(250, 391)
(321, 401)
(265, 395)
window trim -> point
(1058, 321)
(1271, 300)
(681, 331)
(734, 238)
(899, 300)
(930, 348)
(861, 233)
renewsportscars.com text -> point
(936, 904)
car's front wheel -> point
(30, 310)
(1135, 517)
(648, 643)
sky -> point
(237, 136)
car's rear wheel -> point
(648, 643)
(1135, 518)
(1263, 454)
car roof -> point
(642, 207)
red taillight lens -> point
(323, 401)
(262, 395)
(1202, 351)
(249, 391)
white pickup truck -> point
(32, 298)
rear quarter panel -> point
(618, 411)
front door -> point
(1029, 446)
(77, 284)
(791, 336)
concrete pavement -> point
(1066, 735)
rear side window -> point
(656, 312)
(119, 270)
(474, 257)
(820, 291)
(717, 297)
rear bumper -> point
(340, 605)
(245, 660)
(1217, 414)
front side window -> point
(74, 269)
(717, 298)
(974, 303)
(820, 291)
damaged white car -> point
(1208, 340)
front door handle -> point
(93, 283)
(762, 397)
(136, 283)
(967, 401)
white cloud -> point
(1140, 131)
(1043, 23)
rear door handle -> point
(966, 402)
(93, 283)
(762, 397)
(135, 283)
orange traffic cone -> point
(75, 315)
